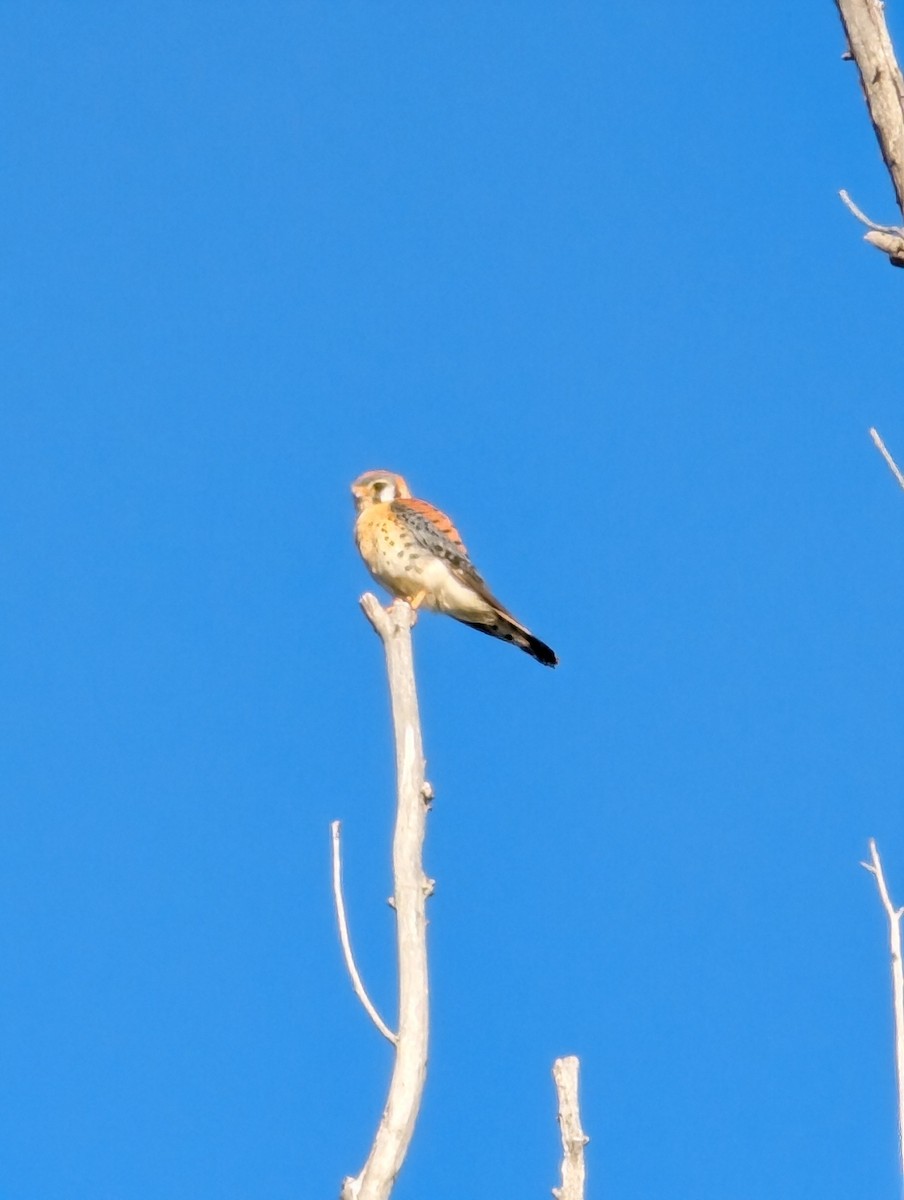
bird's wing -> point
(434, 531)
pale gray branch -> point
(565, 1074)
(874, 866)
(883, 450)
(887, 238)
(357, 982)
(883, 88)
(411, 888)
(864, 219)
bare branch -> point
(357, 982)
(378, 616)
(411, 888)
(881, 447)
(861, 216)
(887, 238)
(891, 244)
(883, 88)
(565, 1074)
(897, 977)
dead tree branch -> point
(410, 891)
(883, 88)
(565, 1074)
(883, 450)
(351, 966)
(874, 866)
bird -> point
(415, 552)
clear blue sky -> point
(581, 274)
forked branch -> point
(410, 890)
(874, 866)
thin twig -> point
(881, 447)
(887, 238)
(897, 977)
(565, 1074)
(861, 216)
(411, 888)
(357, 982)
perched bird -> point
(414, 551)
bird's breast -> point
(392, 555)
(406, 568)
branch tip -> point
(376, 614)
(896, 230)
(896, 471)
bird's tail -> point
(504, 626)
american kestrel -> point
(414, 551)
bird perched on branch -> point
(414, 551)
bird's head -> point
(378, 487)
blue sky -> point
(581, 274)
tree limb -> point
(892, 465)
(565, 1074)
(883, 88)
(357, 982)
(874, 866)
(411, 888)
